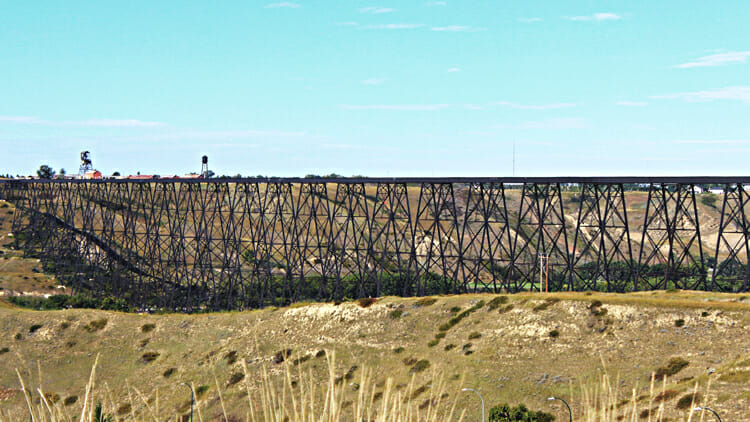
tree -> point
(210, 174)
(117, 173)
(63, 172)
(45, 172)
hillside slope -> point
(505, 348)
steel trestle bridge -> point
(245, 243)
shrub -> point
(666, 395)
(70, 400)
(231, 357)
(147, 328)
(124, 409)
(433, 343)
(474, 335)
(456, 319)
(281, 356)
(64, 325)
(169, 372)
(4, 350)
(546, 304)
(425, 301)
(674, 366)
(687, 400)
(679, 323)
(52, 397)
(496, 302)
(554, 334)
(149, 357)
(366, 302)
(201, 390)
(398, 350)
(449, 347)
(95, 325)
(18, 336)
(396, 313)
(455, 309)
(505, 413)
(321, 353)
(704, 314)
(507, 308)
(420, 366)
(439, 335)
(34, 328)
(235, 378)
(409, 361)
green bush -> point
(474, 335)
(505, 413)
(420, 366)
(674, 366)
(146, 328)
(396, 313)
(4, 350)
(496, 302)
(34, 328)
(685, 401)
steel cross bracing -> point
(246, 243)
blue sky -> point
(379, 88)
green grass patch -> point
(419, 366)
(496, 302)
(95, 325)
(425, 301)
(396, 313)
(674, 366)
(456, 319)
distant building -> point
(697, 189)
(143, 176)
(716, 191)
(92, 174)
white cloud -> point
(436, 3)
(632, 103)
(397, 107)
(453, 70)
(738, 93)
(81, 123)
(373, 81)
(720, 59)
(376, 10)
(283, 4)
(595, 17)
(395, 26)
(549, 124)
(530, 20)
(456, 28)
(535, 107)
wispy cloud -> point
(549, 124)
(595, 17)
(534, 107)
(81, 123)
(720, 59)
(397, 107)
(436, 3)
(373, 81)
(283, 4)
(453, 70)
(456, 28)
(395, 26)
(737, 93)
(632, 103)
(376, 10)
(530, 20)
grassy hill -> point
(517, 349)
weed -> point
(679, 323)
(34, 328)
(4, 350)
(149, 357)
(686, 401)
(366, 302)
(169, 372)
(674, 366)
(449, 347)
(231, 357)
(70, 400)
(420, 366)
(398, 350)
(496, 302)
(396, 313)
(474, 335)
(147, 328)
(554, 334)
(281, 356)
(235, 378)
(425, 301)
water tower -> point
(204, 167)
(86, 164)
